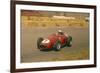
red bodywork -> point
(53, 38)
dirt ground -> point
(30, 52)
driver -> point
(60, 32)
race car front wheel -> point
(57, 46)
(39, 42)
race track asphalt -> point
(30, 52)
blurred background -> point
(51, 19)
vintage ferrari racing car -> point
(54, 41)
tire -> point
(69, 44)
(57, 46)
(39, 42)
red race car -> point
(54, 41)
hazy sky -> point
(51, 13)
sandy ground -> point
(78, 51)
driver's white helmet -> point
(60, 31)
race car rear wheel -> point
(39, 42)
(69, 44)
(57, 46)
